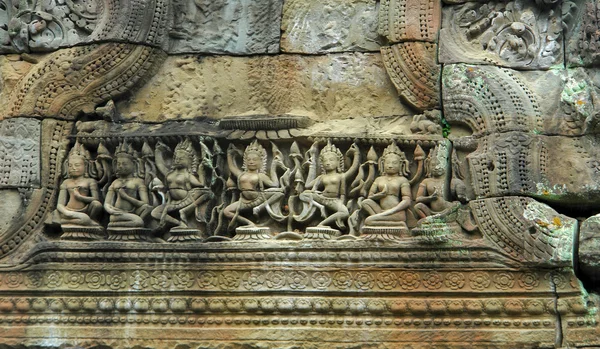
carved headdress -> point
(433, 160)
(258, 149)
(126, 150)
(78, 151)
(187, 147)
(332, 149)
(393, 149)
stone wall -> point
(299, 173)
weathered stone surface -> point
(46, 26)
(11, 207)
(223, 26)
(526, 229)
(582, 38)
(410, 20)
(19, 153)
(554, 169)
(323, 87)
(589, 250)
(69, 81)
(489, 99)
(414, 71)
(518, 34)
(336, 26)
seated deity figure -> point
(127, 198)
(186, 190)
(430, 195)
(389, 196)
(258, 191)
(327, 192)
(79, 207)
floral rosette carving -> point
(558, 280)
(95, 280)
(529, 281)
(433, 280)
(252, 280)
(53, 279)
(183, 279)
(207, 279)
(298, 280)
(387, 280)
(321, 280)
(117, 280)
(275, 279)
(160, 280)
(364, 280)
(342, 280)
(480, 280)
(409, 280)
(455, 280)
(504, 281)
(229, 280)
(34, 279)
(13, 280)
(139, 279)
(74, 279)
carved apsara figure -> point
(430, 195)
(186, 189)
(79, 206)
(390, 195)
(327, 192)
(127, 198)
(258, 191)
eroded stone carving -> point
(520, 34)
(45, 26)
(318, 27)
(19, 153)
(238, 27)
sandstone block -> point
(410, 20)
(322, 87)
(47, 26)
(318, 27)
(512, 34)
(555, 169)
(19, 153)
(223, 26)
(582, 34)
(490, 99)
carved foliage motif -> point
(80, 78)
(48, 25)
(515, 34)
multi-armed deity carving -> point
(258, 191)
(167, 191)
(327, 191)
(187, 192)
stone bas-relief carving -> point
(317, 27)
(19, 153)
(46, 26)
(519, 34)
(232, 27)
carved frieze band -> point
(244, 280)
